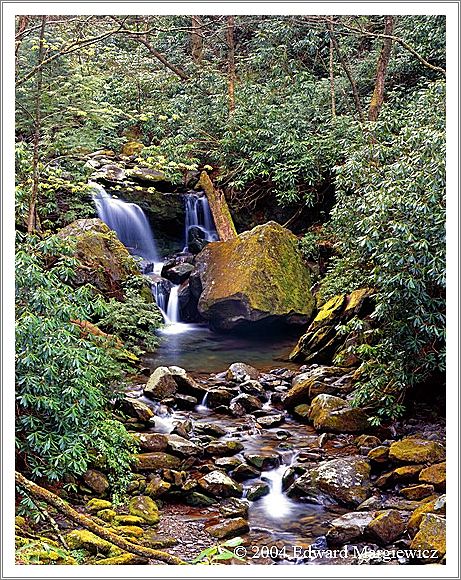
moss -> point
(329, 311)
(107, 515)
(416, 450)
(83, 539)
(132, 147)
(128, 520)
(96, 505)
(431, 535)
(144, 507)
(121, 560)
(131, 531)
(41, 551)
(435, 475)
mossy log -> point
(219, 208)
(50, 498)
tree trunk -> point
(50, 498)
(332, 76)
(348, 72)
(381, 69)
(231, 62)
(196, 40)
(32, 222)
(23, 21)
(219, 208)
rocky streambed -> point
(282, 460)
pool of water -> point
(197, 349)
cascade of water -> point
(173, 306)
(276, 504)
(203, 407)
(128, 221)
(160, 294)
(198, 214)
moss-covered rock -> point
(130, 531)
(257, 276)
(334, 414)
(96, 505)
(83, 539)
(159, 460)
(132, 148)
(106, 263)
(435, 506)
(96, 481)
(417, 492)
(218, 484)
(127, 520)
(107, 515)
(41, 551)
(435, 475)
(229, 528)
(387, 526)
(416, 450)
(431, 538)
(121, 560)
(144, 507)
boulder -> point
(379, 454)
(105, 262)
(151, 441)
(416, 450)
(417, 492)
(348, 527)
(96, 505)
(248, 402)
(243, 472)
(158, 460)
(436, 506)
(110, 172)
(156, 487)
(257, 276)
(431, 538)
(161, 384)
(220, 448)
(147, 176)
(257, 490)
(241, 372)
(144, 507)
(183, 447)
(263, 462)
(334, 414)
(83, 539)
(179, 273)
(218, 484)
(198, 499)
(269, 421)
(233, 508)
(96, 481)
(386, 527)
(434, 475)
(228, 528)
(344, 481)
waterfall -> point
(161, 298)
(173, 306)
(198, 214)
(276, 504)
(128, 221)
(203, 407)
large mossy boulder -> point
(105, 262)
(329, 413)
(322, 343)
(256, 276)
(417, 450)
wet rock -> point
(263, 462)
(227, 463)
(144, 507)
(151, 441)
(367, 441)
(348, 527)
(302, 412)
(248, 402)
(233, 508)
(257, 490)
(186, 384)
(243, 472)
(334, 414)
(217, 397)
(343, 480)
(219, 448)
(156, 460)
(386, 527)
(436, 506)
(210, 429)
(241, 373)
(434, 475)
(431, 537)
(185, 401)
(95, 505)
(147, 176)
(236, 409)
(137, 409)
(218, 484)
(416, 450)
(179, 273)
(379, 454)
(253, 388)
(198, 499)
(269, 279)
(161, 384)
(417, 492)
(110, 173)
(96, 481)
(183, 447)
(269, 421)
(229, 528)
(406, 473)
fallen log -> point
(219, 208)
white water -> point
(276, 504)
(198, 214)
(173, 306)
(203, 407)
(128, 221)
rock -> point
(434, 475)
(269, 421)
(243, 472)
(342, 480)
(137, 409)
(227, 463)
(196, 239)
(183, 447)
(302, 412)
(367, 441)
(416, 450)
(96, 505)
(321, 341)
(130, 531)
(379, 454)
(147, 176)
(210, 429)
(241, 373)
(257, 490)
(436, 506)
(110, 173)
(151, 441)
(416, 492)
(128, 520)
(348, 527)
(233, 507)
(263, 462)
(179, 273)
(132, 148)
(156, 460)
(406, 472)
(161, 384)
(198, 499)
(218, 397)
(229, 528)
(105, 262)
(218, 484)
(156, 487)
(431, 537)
(248, 402)
(185, 401)
(386, 527)
(83, 539)
(96, 481)
(186, 384)
(219, 448)
(145, 508)
(107, 515)
(268, 281)
(334, 414)
(254, 388)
